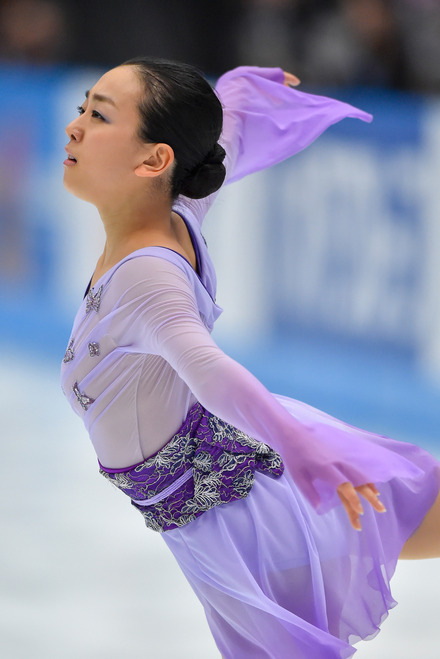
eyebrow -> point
(100, 97)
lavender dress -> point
(241, 482)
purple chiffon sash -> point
(206, 463)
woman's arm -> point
(266, 121)
(158, 315)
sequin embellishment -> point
(83, 399)
(70, 354)
(94, 349)
(93, 300)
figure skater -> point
(256, 495)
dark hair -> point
(181, 109)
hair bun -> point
(215, 156)
(207, 177)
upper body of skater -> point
(144, 150)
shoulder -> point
(149, 272)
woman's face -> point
(104, 149)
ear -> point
(159, 159)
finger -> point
(351, 503)
(352, 515)
(291, 80)
(352, 497)
(372, 497)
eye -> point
(95, 113)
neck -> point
(135, 224)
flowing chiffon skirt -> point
(279, 581)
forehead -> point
(121, 84)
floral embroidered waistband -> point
(207, 463)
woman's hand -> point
(352, 503)
(290, 80)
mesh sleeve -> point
(157, 313)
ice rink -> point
(82, 578)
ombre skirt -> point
(277, 580)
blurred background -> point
(328, 267)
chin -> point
(75, 188)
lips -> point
(70, 156)
(70, 160)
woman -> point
(268, 543)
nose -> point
(73, 131)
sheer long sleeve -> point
(265, 122)
(157, 314)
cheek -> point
(117, 158)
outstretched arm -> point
(266, 120)
(159, 315)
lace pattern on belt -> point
(206, 463)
